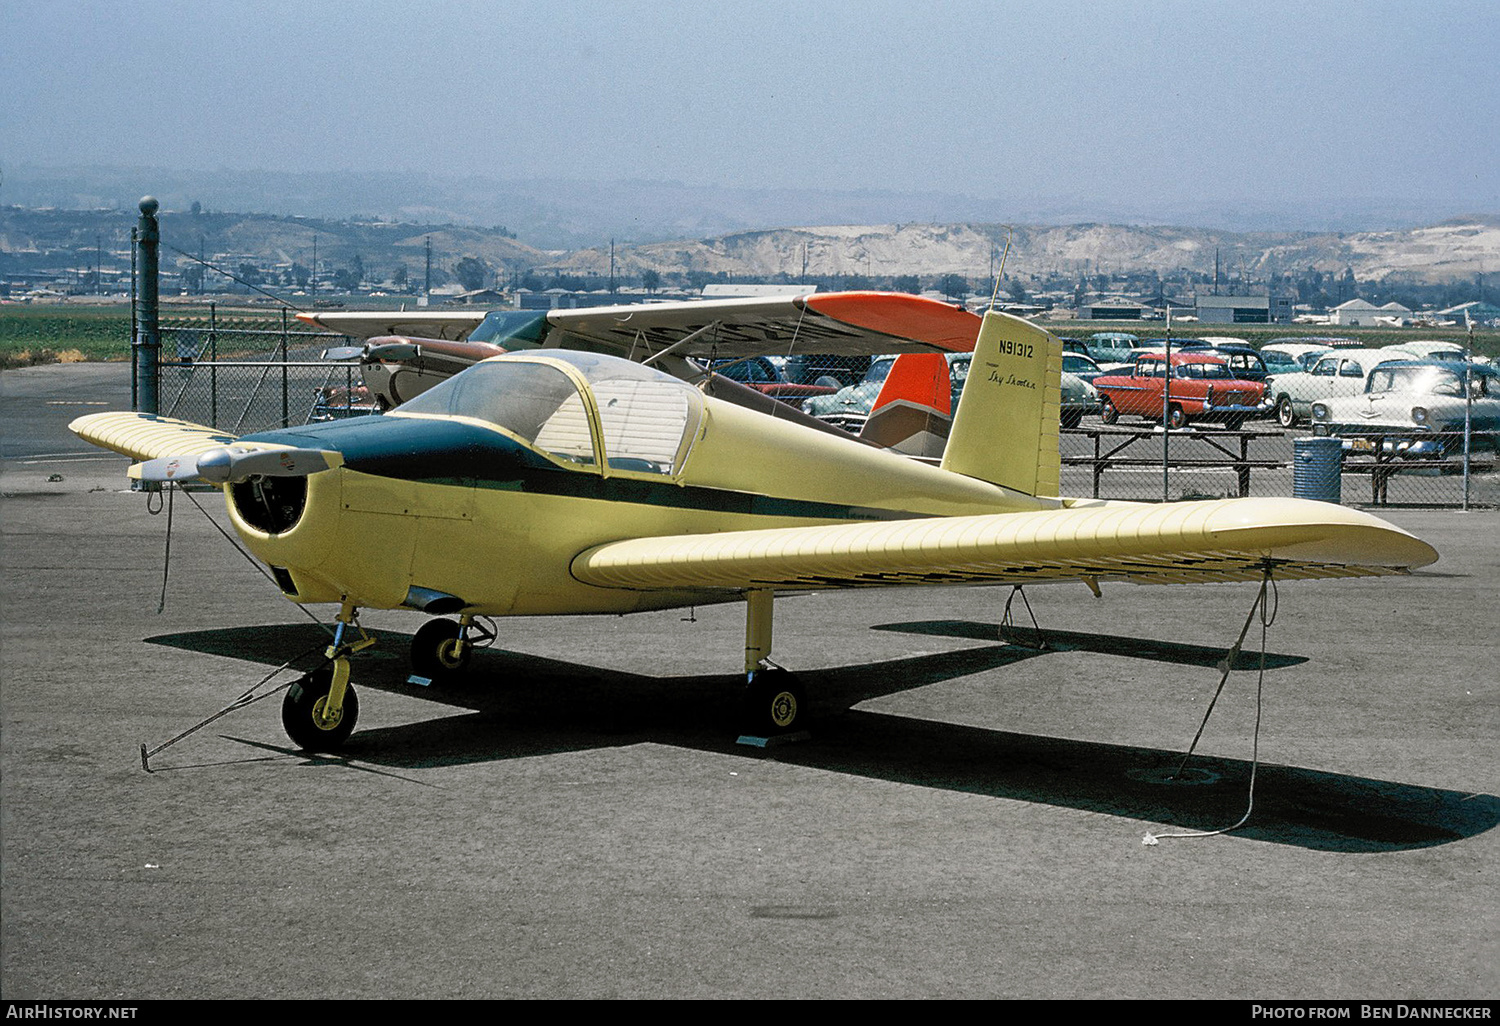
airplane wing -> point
(145, 436)
(440, 324)
(833, 323)
(180, 451)
(1176, 543)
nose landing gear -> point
(320, 708)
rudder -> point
(1006, 428)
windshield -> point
(1430, 380)
(646, 417)
(880, 369)
(1201, 370)
(512, 329)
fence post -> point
(285, 418)
(213, 365)
(146, 346)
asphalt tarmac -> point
(576, 820)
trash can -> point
(1317, 469)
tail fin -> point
(913, 412)
(1006, 427)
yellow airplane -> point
(556, 481)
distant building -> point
(1114, 310)
(1242, 309)
(1356, 313)
(563, 299)
(481, 297)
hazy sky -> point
(1050, 98)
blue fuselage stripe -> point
(462, 455)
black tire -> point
(1286, 416)
(774, 703)
(1107, 412)
(431, 655)
(304, 700)
(1176, 417)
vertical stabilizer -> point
(1006, 427)
(912, 413)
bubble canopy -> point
(570, 405)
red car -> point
(1202, 388)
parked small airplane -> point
(407, 352)
(558, 481)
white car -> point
(1436, 349)
(1339, 374)
(1418, 399)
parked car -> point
(1079, 397)
(1081, 366)
(1202, 388)
(1423, 398)
(850, 407)
(1244, 360)
(1292, 357)
(819, 369)
(1436, 349)
(1112, 349)
(1341, 372)
(763, 374)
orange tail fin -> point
(914, 410)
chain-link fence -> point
(245, 374)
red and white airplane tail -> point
(913, 413)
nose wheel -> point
(320, 708)
(310, 719)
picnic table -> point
(1218, 447)
(1385, 458)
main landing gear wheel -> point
(435, 652)
(302, 712)
(774, 703)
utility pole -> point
(611, 266)
(146, 346)
(427, 280)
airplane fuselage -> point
(459, 506)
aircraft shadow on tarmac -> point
(523, 705)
